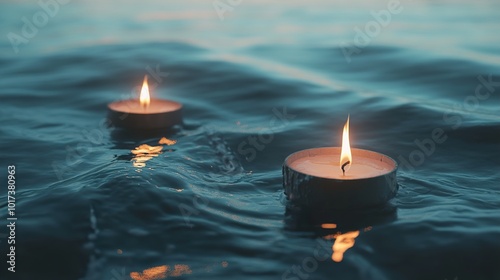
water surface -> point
(263, 81)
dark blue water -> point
(263, 80)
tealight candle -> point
(339, 177)
(145, 112)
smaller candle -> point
(145, 112)
(339, 177)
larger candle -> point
(339, 177)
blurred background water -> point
(258, 80)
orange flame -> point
(345, 155)
(144, 98)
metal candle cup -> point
(313, 178)
(130, 114)
(308, 182)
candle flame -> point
(144, 98)
(345, 155)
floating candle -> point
(145, 112)
(339, 177)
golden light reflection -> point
(144, 98)
(145, 152)
(180, 269)
(345, 155)
(167, 141)
(153, 273)
(328, 226)
(161, 272)
(342, 243)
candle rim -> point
(386, 158)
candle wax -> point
(328, 166)
(155, 107)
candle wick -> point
(343, 166)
